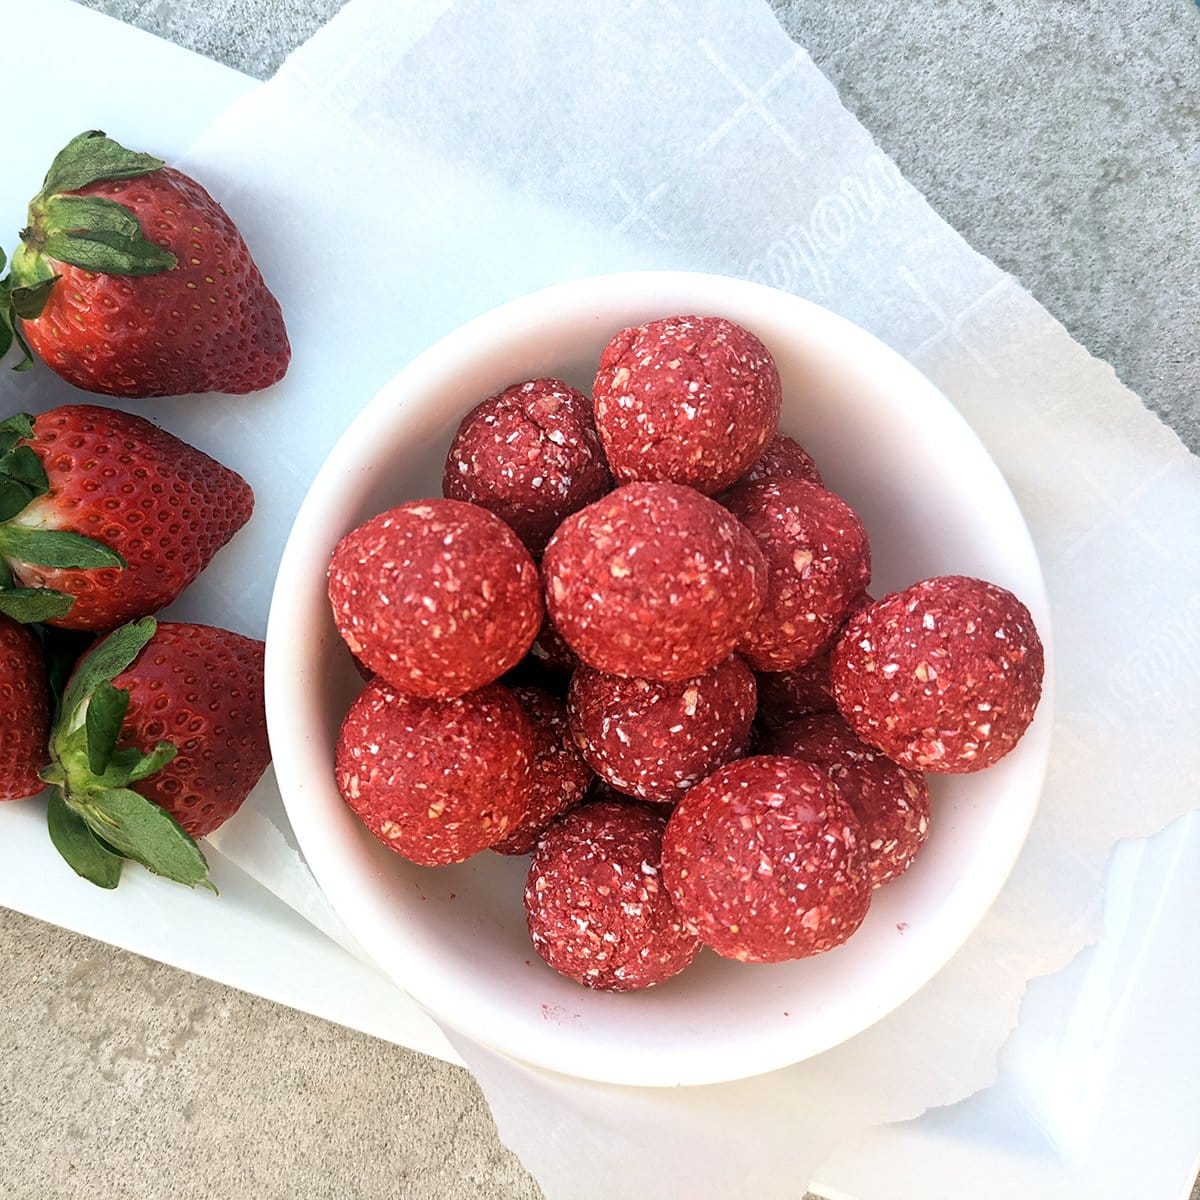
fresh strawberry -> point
(105, 517)
(131, 280)
(24, 712)
(160, 737)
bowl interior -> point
(455, 937)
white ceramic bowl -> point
(454, 937)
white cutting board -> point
(1098, 1096)
(158, 97)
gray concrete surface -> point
(123, 1077)
(1062, 138)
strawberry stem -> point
(88, 232)
(92, 775)
(23, 480)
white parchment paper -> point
(417, 163)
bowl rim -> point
(297, 763)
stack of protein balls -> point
(694, 716)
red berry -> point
(200, 688)
(24, 712)
(164, 300)
(163, 506)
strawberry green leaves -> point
(22, 477)
(85, 854)
(56, 548)
(96, 819)
(22, 481)
(96, 839)
(6, 326)
(13, 429)
(92, 156)
(21, 465)
(102, 664)
(62, 649)
(28, 302)
(9, 330)
(32, 606)
(137, 829)
(96, 235)
(88, 232)
(105, 712)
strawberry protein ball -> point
(765, 859)
(655, 740)
(601, 789)
(531, 455)
(436, 780)
(653, 581)
(819, 561)
(437, 597)
(548, 665)
(560, 776)
(688, 400)
(944, 676)
(785, 696)
(890, 801)
(783, 458)
(551, 651)
(595, 902)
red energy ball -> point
(549, 664)
(595, 902)
(436, 780)
(785, 696)
(944, 676)
(890, 801)
(688, 400)
(602, 790)
(765, 859)
(655, 740)
(788, 695)
(819, 561)
(531, 455)
(560, 776)
(551, 651)
(653, 581)
(783, 458)
(435, 596)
